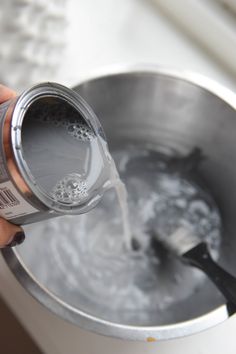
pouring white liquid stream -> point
(122, 196)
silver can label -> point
(12, 204)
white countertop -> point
(101, 33)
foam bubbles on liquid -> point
(80, 131)
(71, 189)
(74, 125)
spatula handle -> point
(200, 257)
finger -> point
(6, 93)
(10, 234)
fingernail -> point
(17, 240)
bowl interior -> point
(173, 116)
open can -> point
(46, 130)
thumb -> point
(10, 234)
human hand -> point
(10, 234)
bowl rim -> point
(192, 77)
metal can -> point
(46, 131)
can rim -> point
(24, 101)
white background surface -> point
(101, 33)
(106, 32)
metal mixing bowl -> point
(175, 112)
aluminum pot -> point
(177, 111)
